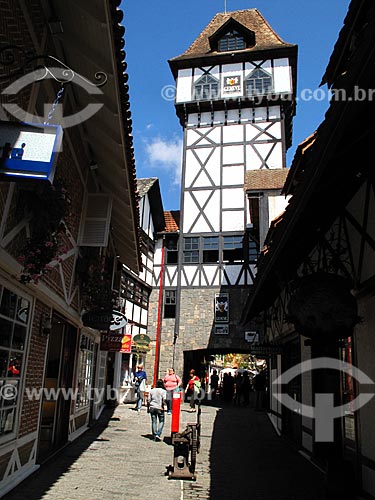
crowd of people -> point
(235, 389)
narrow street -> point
(241, 457)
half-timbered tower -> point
(235, 99)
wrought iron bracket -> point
(17, 62)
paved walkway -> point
(241, 458)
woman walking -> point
(193, 389)
(171, 382)
(157, 398)
(140, 378)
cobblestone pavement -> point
(241, 458)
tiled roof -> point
(252, 19)
(260, 180)
(123, 89)
(144, 185)
(172, 221)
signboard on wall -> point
(111, 340)
(265, 349)
(221, 307)
(232, 85)
(126, 343)
(221, 329)
(141, 342)
(29, 151)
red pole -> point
(176, 406)
(158, 326)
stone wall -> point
(196, 326)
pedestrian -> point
(260, 385)
(246, 387)
(156, 402)
(214, 383)
(171, 383)
(140, 378)
(193, 389)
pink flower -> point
(21, 259)
(48, 244)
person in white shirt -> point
(156, 402)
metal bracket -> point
(18, 61)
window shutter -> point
(95, 230)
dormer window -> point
(206, 88)
(259, 82)
(231, 41)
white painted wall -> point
(276, 206)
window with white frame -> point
(85, 372)
(259, 82)
(14, 322)
(206, 88)
(232, 40)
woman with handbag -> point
(171, 383)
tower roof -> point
(251, 19)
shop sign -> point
(232, 85)
(265, 349)
(126, 344)
(111, 341)
(141, 342)
(221, 308)
(118, 321)
(104, 319)
(29, 151)
(221, 329)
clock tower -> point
(235, 99)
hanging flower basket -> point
(49, 205)
(321, 305)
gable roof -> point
(151, 187)
(144, 185)
(265, 179)
(172, 221)
(251, 19)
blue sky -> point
(158, 30)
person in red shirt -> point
(171, 382)
(193, 389)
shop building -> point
(63, 234)
(315, 281)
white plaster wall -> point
(233, 174)
(233, 133)
(233, 154)
(276, 206)
(158, 252)
(233, 198)
(233, 221)
(184, 85)
(282, 76)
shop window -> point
(211, 249)
(191, 250)
(14, 318)
(231, 41)
(85, 372)
(170, 304)
(259, 82)
(233, 249)
(206, 88)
